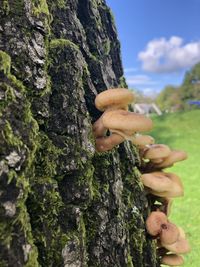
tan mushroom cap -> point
(154, 222)
(143, 140)
(98, 129)
(117, 98)
(157, 151)
(157, 181)
(181, 246)
(176, 189)
(173, 157)
(172, 260)
(126, 122)
(182, 232)
(169, 233)
(107, 143)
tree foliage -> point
(174, 98)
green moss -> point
(40, 7)
(82, 238)
(62, 43)
(11, 175)
(57, 4)
(45, 204)
(9, 96)
(111, 15)
(129, 262)
(32, 258)
(5, 62)
(22, 220)
(122, 82)
(86, 178)
(5, 232)
(62, 3)
(47, 157)
(106, 188)
(6, 7)
(3, 263)
(16, 83)
(10, 137)
(106, 46)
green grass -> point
(182, 131)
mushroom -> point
(181, 246)
(173, 157)
(107, 143)
(169, 233)
(126, 123)
(111, 99)
(156, 153)
(154, 222)
(182, 232)
(172, 260)
(163, 184)
(98, 128)
(158, 224)
(142, 141)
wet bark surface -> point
(62, 203)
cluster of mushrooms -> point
(116, 125)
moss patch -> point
(62, 43)
(40, 6)
(5, 62)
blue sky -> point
(160, 40)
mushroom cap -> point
(173, 157)
(172, 260)
(142, 140)
(176, 189)
(118, 98)
(98, 129)
(127, 122)
(154, 222)
(169, 233)
(157, 151)
(182, 232)
(181, 246)
(157, 181)
(157, 161)
(107, 143)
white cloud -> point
(171, 55)
(135, 80)
(152, 92)
(129, 70)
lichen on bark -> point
(62, 203)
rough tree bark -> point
(62, 204)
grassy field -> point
(182, 131)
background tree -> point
(173, 98)
(190, 89)
(169, 99)
(61, 203)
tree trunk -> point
(61, 203)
